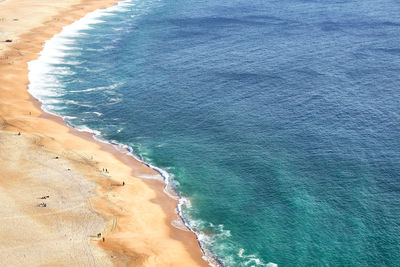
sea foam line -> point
(53, 53)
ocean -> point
(277, 122)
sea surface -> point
(278, 122)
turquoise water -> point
(277, 121)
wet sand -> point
(82, 177)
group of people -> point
(43, 205)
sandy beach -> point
(90, 218)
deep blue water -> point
(278, 120)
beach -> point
(68, 199)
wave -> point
(69, 117)
(251, 260)
(98, 114)
(99, 88)
(84, 128)
(62, 71)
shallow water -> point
(278, 121)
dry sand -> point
(51, 159)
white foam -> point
(127, 3)
(55, 52)
(113, 101)
(53, 101)
(84, 128)
(73, 102)
(253, 260)
(97, 113)
(161, 145)
(62, 71)
(68, 117)
(99, 88)
(121, 9)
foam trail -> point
(99, 88)
(252, 260)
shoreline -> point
(37, 123)
(158, 185)
(127, 156)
